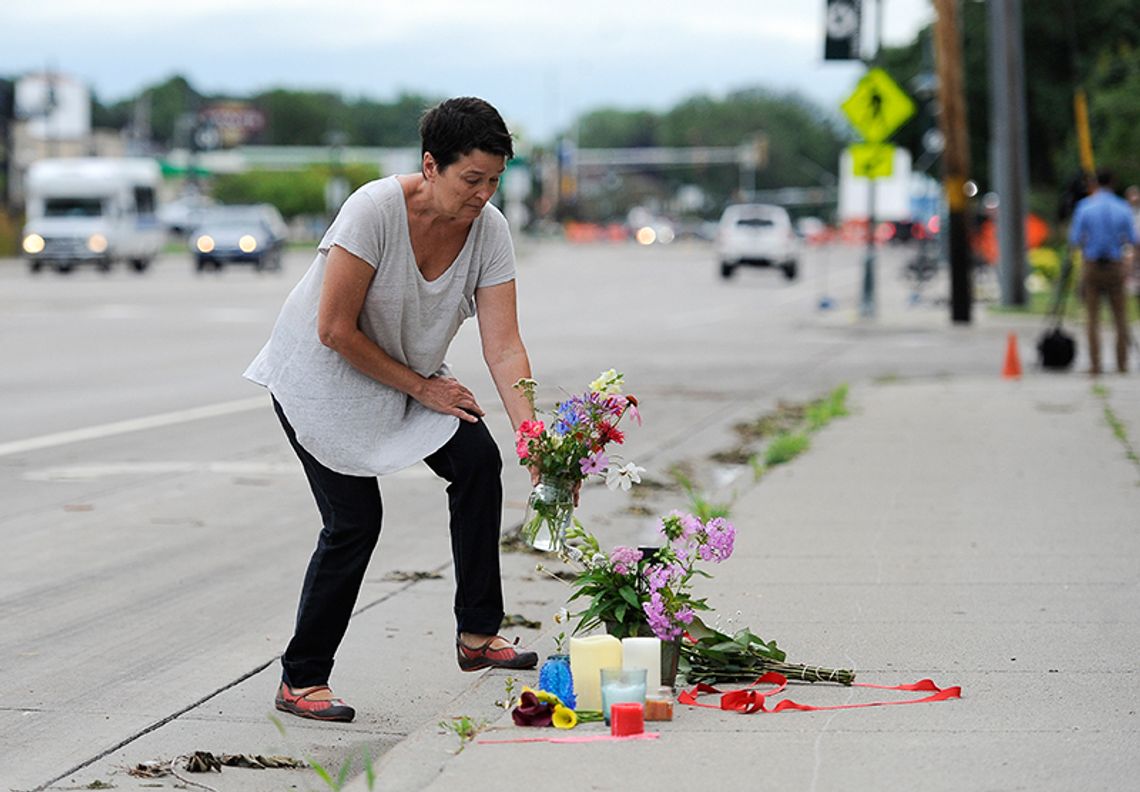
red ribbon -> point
(748, 700)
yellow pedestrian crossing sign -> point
(877, 107)
(872, 160)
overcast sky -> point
(540, 62)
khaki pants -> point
(1107, 277)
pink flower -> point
(633, 411)
(531, 428)
(624, 559)
(522, 448)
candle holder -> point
(628, 719)
(621, 685)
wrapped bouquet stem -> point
(713, 657)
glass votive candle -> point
(659, 704)
(621, 685)
(626, 719)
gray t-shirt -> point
(350, 422)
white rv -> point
(92, 211)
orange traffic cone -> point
(1012, 368)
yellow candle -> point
(588, 656)
(643, 653)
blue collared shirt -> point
(1102, 224)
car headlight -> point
(247, 243)
(205, 244)
(33, 244)
(97, 243)
(645, 235)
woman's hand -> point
(451, 397)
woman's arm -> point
(503, 348)
(345, 285)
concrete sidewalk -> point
(973, 530)
(979, 533)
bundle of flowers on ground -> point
(542, 708)
(713, 657)
(568, 448)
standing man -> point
(1103, 229)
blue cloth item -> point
(554, 677)
(1102, 224)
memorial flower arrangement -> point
(631, 589)
(570, 446)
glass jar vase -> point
(549, 513)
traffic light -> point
(842, 25)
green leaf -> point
(619, 612)
(630, 596)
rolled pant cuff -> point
(478, 621)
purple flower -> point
(720, 538)
(685, 615)
(679, 528)
(659, 620)
(594, 463)
(624, 559)
(657, 577)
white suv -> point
(758, 235)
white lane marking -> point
(165, 467)
(133, 425)
(102, 470)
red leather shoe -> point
(475, 658)
(318, 709)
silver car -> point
(252, 234)
(757, 235)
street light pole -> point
(867, 306)
(1008, 132)
(956, 157)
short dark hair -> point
(1104, 177)
(456, 127)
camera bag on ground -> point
(1056, 348)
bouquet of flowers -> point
(567, 449)
(640, 591)
(633, 589)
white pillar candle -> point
(643, 653)
(588, 656)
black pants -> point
(350, 509)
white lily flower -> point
(625, 476)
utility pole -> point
(956, 157)
(1009, 144)
(867, 306)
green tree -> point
(301, 118)
(300, 192)
(613, 128)
(1066, 45)
(169, 102)
(381, 124)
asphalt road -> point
(156, 526)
